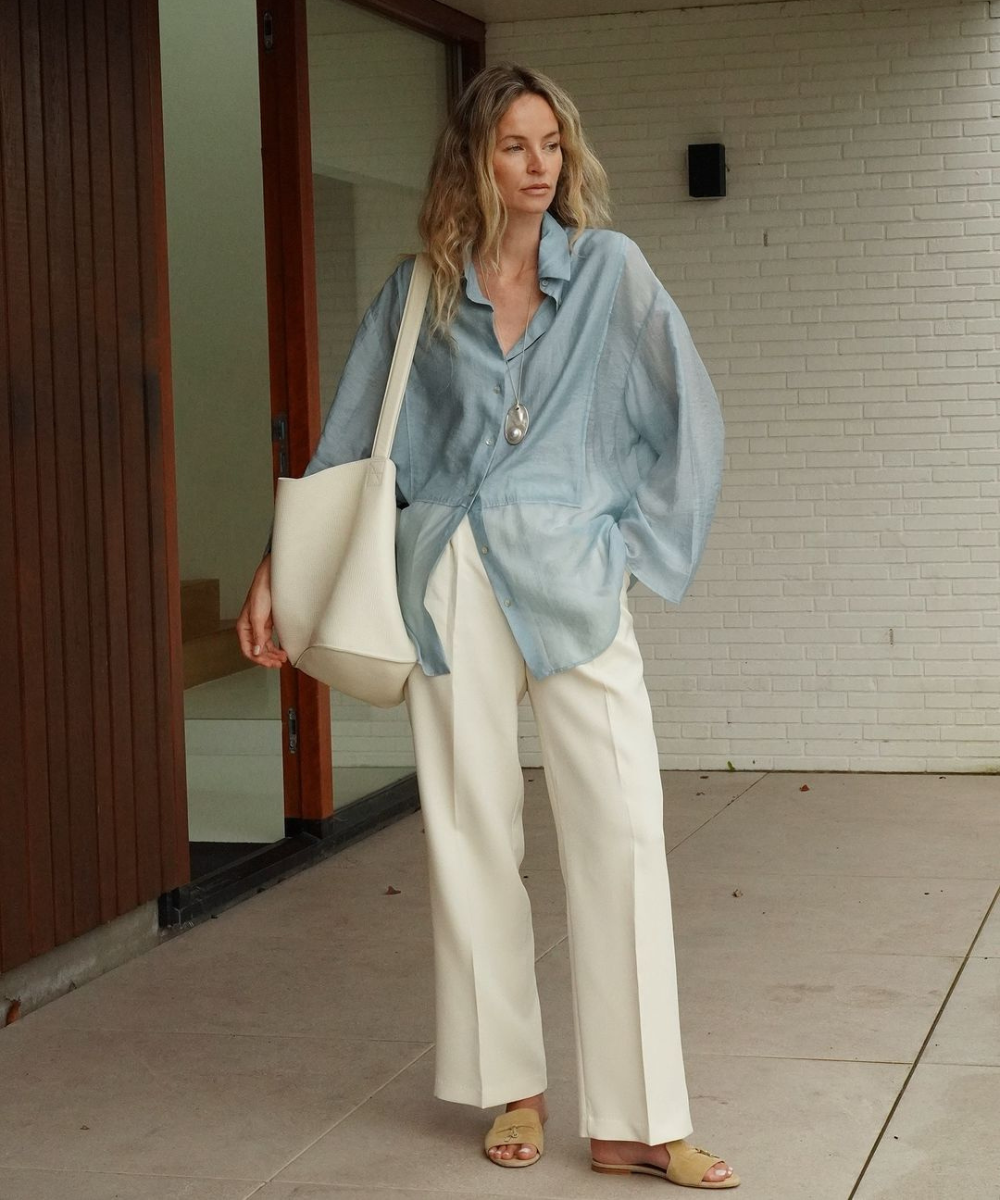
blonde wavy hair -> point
(463, 209)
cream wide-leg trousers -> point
(602, 773)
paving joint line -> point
(923, 1047)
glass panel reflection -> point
(378, 96)
(221, 389)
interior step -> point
(211, 650)
(199, 607)
(213, 655)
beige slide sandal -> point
(687, 1167)
(518, 1125)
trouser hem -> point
(462, 1094)
(610, 1130)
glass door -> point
(378, 95)
(219, 356)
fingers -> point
(254, 632)
(276, 658)
(255, 626)
(262, 647)
(268, 655)
(271, 653)
(243, 632)
(261, 629)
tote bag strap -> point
(402, 357)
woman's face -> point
(528, 155)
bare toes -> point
(525, 1150)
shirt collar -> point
(554, 262)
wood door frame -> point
(289, 234)
(465, 35)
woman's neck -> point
(519, 245)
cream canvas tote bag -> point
(333, 554)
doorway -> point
(220, 371)
(379, 79)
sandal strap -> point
(518, 1125)
(688, 1163)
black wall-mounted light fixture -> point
(707, 169)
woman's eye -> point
(549, 146)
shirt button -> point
(497, 388)
(485, 549)
(506, 604)
(489, 441)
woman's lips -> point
(536, 187)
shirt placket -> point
(492, 436)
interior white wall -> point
(844, 297)
(218, 313)
(375, 100)
(334, 206)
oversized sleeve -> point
(349, 428)
(674, 409)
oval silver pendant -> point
(515, 425)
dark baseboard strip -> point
(306, 842)
(361, 817)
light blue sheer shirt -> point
(619, 471)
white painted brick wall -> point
(844, 298)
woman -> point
(560, 433)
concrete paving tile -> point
(400, 842)
(767, 1114)
(206, 981)
(322, 1191)
(809, 1004)
(396, 855)
(969, 1029)
(941, 1143)
(988, 942)
(208, 1106)
(864, 914)
(707, 789)
(690, 799)
(750, 1110)
(816, 840)
(318, 940)
(351, 901)
(337, 935)
(357, 895)
(972, 801)
(17, 1184)
(342, 899)
(712, 789)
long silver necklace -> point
(515, 424)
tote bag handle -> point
(402, 357)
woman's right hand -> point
(254, 626)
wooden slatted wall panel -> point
(92, 794)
